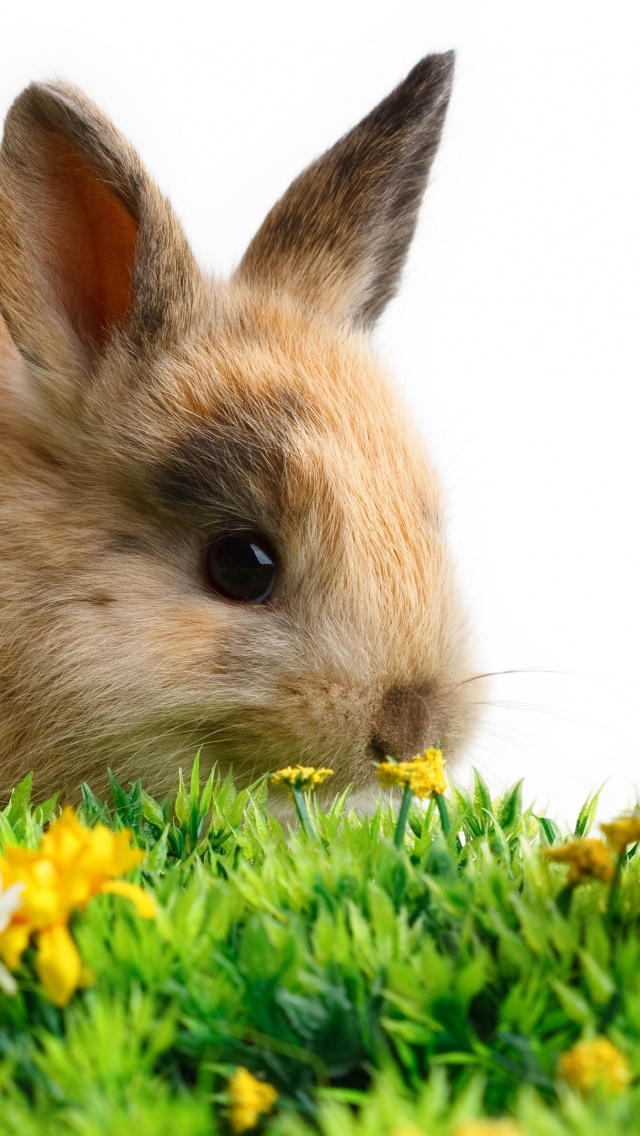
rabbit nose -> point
(402, 724)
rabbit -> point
(219, 528)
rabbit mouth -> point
(248, 744)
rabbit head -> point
(219, 529)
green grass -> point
(376, 987)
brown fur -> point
(148, 408)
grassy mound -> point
(382, 991)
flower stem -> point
(301, 809)
(444, 813)
(402, 816)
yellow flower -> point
(391, 773)
(623, 831)
(587, 859)
(144, 903)
(424, 775)
(500, 1127)
(249, 1100)
(72, 865)
(13, 942)
(301, 777)
(591, 1063)
(427, 777)
(58, 964)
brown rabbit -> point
(218, 529)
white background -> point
(515, 336)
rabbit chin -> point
(336, 733)
(320, 724)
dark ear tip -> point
(57, 108)
(435, 71)
(448, 63)
(48, 103)
(37, 95)
(444, 59)
(448, 58)
(60, 105)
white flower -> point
(10, 901)
(8, 983)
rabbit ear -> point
(88, 246)
(340, 235)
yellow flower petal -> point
(64, 838)
(425, 774)
(250, 1099)
(13, 942)
(15, 858)
(145, 903)
(58, 964)
(124, 857)
(587, 859)
(43, 900)
(390, 774)
(596, 1062)
(622, 831)
(97, 857)
(302, 777)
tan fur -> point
(126, 391)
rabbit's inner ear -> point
(88, 245)
(89, 239)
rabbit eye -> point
(242, 567)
